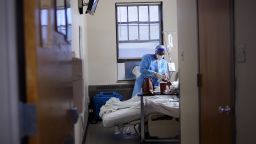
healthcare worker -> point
(154, 66)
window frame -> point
(126, 4)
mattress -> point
(117, 113)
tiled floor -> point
(97, 134)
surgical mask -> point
(159, 57)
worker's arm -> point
(145, 65)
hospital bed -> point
(122, 113)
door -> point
(48, 72)
(216, 62)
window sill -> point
(126, 81)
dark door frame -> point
(9, 132)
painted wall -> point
(187, 40)
(80, 44)
(102, 39)
(80, 50)
(245, 34)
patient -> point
(116, 112)
(124, 115)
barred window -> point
(139, 29)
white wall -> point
(82, 52)
(245, 31)
(102, 39)
(188, 47)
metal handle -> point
(223, 109)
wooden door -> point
(48, 74)
(216, 62)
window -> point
(44, 25)
(139, 27)
(69, 21)
(61, 20)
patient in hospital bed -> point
(118, 113)
(127, 113)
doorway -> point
(206, 25)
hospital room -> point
(126, 71)
(118, 34)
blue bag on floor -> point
(100, 99)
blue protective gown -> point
(149, 64)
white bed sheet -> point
(116, 112)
